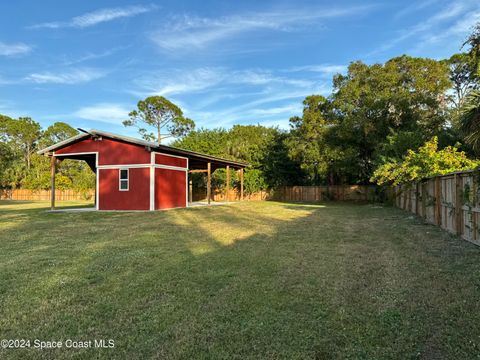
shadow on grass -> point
(259, 280)
(16, 202)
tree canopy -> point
(159, 113)
(20, 166)
(470, 110)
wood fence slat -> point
(458, 204)
(38, 195)
(450, 201)
(286, 193)
(301, 193)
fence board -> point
(299, 194)
(321, 193)
(451, 201)
(287, 193)
(35, 195)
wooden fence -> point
(323, 193)
(33, 195)
(450, 201)
(287, 193)
(233, 195)
(299, 194)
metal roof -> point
(152, 145)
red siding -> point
(170, 160)
(170, 185)
(170, 189)
(110, 152)
(136, 198)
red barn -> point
(133, 174)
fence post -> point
(438, 201)
(53, 163)
(424, 200)
(474, 205)
(458, 204)
(417, 202)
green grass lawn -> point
(250, 280)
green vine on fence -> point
(465, 195)
(476, 179)
(430, 200)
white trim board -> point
(186, 185)
(132, 166)
(168, 167)
(152, 182)
(80, 153)
(126, 166)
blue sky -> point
(87, 63)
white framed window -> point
(123, 179)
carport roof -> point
(196, 160)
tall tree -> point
(71, 174)
(470, 120)
(473, 42)
(7, 159)
(159, 113)
(262, 147)
(403, 95)
(462, 75)
(22, 136)
(307, 142)
(57, 132)
(207, 141)
(470, 112)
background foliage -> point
(21, 167)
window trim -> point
(120, 179)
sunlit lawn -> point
(251, 280)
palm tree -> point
(470, 119)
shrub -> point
(427, 161)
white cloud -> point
(415, 7)
(96, 17)
(193, 33)
(4, 104)
(179, 82)
(14, 49)
(72, 76)
(4, 81)
(454, 19)
(324, 69)
(268, 108)
(263, 77)
(458, 29)
(198, 80)
(261, 95)
(104, 112)
(10, 108)
(89, 56)
(287, 109)
(279, 96)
